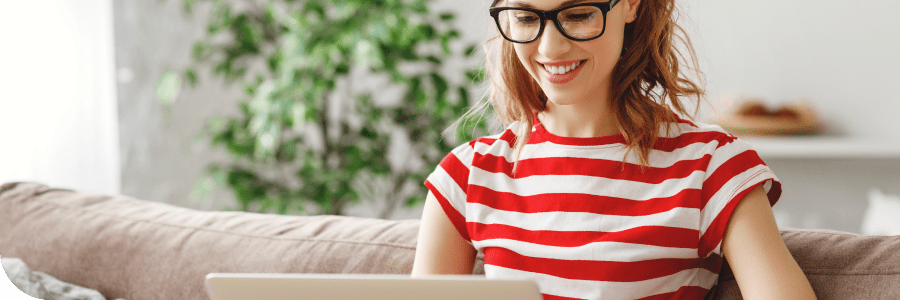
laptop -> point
(250, 286)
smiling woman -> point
(600, 187)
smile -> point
(562, 72)
(561, 69)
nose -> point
(552, 43)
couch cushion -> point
(136, 250)
(839, 265)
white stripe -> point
(678, 217)
(726, 152)
(731, 188)
(445, 184)
(615, 152)
(542, 184)
(599, 251)
(656, 158)
(605, 290)
(702, 127)
(465, 154)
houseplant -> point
(314, 133)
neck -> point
(586, 119)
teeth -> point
(559, 70)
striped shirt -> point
(584, 221)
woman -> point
(598, 189)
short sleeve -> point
(733, 171)
(449, 183)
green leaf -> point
(188, 6)
(476, 75)
(445, 40)
(168, 88)
(412, 201)
(441, 86)
(434, 59)
(470, 50)
(191, 76)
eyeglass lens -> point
(581, 22)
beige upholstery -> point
(839, 265)
(138, 250)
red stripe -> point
(611, 271)
(645, 235)
(552, 297)
(680, 120)
(716, 230)
(728, 170)
(459, 222)
(590, 167)
(685, 292)
(671, 144)
(508, 136)
(774, 192)
(666, 144)
(457, 170)
(543, 135)
(712, 263)
(571, 202)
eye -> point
(525, 19)
(579, 17)
(579, 14)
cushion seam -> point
(834, 233)
(12, 186)
(231, 233)
(836, 272)
(825, 272)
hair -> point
(648, 82)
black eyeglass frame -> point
(545, 15)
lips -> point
(562, 72)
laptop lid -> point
(233, 286)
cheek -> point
(523, 53)
(608, 52)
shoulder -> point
(684, 133)
(706, 143)
(507, 138)
(499, 143)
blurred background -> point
(117, 97)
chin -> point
(561, 97)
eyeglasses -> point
(578, 22)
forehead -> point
(543, 4)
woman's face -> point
(593, 60)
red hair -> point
(648, 83)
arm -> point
(761, 263)
(440, 249)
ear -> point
(631, 9)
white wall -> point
(58, 116)
(841, 56)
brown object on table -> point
(754, 118)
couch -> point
(133, 249)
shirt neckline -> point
(576, 141)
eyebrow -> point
(528, 5)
